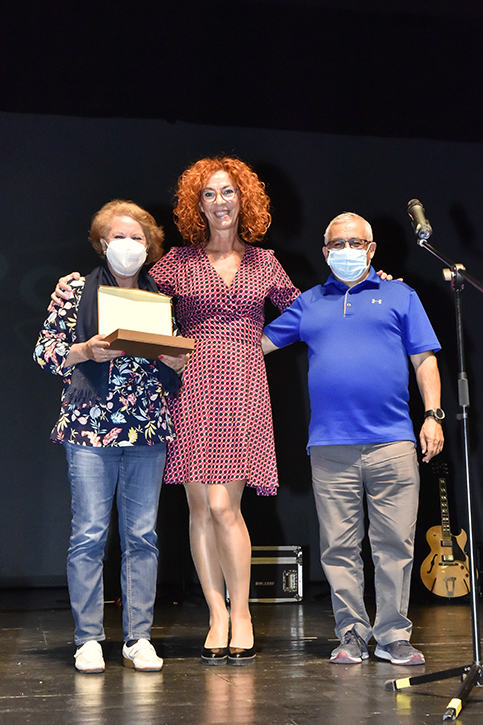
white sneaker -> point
(141, 656)
(88, 658)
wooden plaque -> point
(149, 345)
(139, 323)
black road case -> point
(276, 574)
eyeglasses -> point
(210, 195)
(353, 243)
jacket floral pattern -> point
(135, 411)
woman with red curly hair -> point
(222, 415)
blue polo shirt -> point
(358, 343)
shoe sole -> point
(213, 661)
(342, 658)
(129, 663)
(93, 671)
(241, 661)
(414, 660)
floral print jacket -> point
(135, 412)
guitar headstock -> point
(439, 468)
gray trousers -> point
(388, 475)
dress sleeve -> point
(58, 333)
(282, 291)
(165, 272)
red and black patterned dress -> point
(222, 416)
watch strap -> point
(436, 413)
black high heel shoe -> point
(214, 656)
(239, 656)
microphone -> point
(421, 226)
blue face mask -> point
(348, 264)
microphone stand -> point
(471, 674)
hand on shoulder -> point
(63, 290)
(388, 277)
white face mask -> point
(126, 256)
(348, 264)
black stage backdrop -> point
(339, 105)
(57, 171)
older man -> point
(360, 330)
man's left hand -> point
(431, 438)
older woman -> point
(114, 424)
(222, 416)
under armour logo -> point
(378, 301)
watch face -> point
(436, 413)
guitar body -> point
(445, 571)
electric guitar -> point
(445, 571)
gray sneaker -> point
(400, 652)
(351, 650)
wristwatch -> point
(436, 413)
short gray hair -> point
(348, 216)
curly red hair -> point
(254, 218)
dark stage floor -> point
(291, 683)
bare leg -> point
(221, 550)
(205, 556)
(234, 550)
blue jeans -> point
(133, 474)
